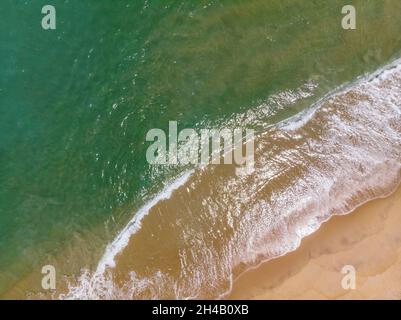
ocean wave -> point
(342, 152)
(122, 239)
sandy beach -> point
(368, 239)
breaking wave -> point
(213, 225)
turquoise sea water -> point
(76, 102)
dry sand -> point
(368, 239)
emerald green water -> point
(76, 102)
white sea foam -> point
(300, 119)
(122, 239)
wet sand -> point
(368, 239)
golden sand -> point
(368, 239)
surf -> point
(343, 151)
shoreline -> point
(170, 251)
(367, 238)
